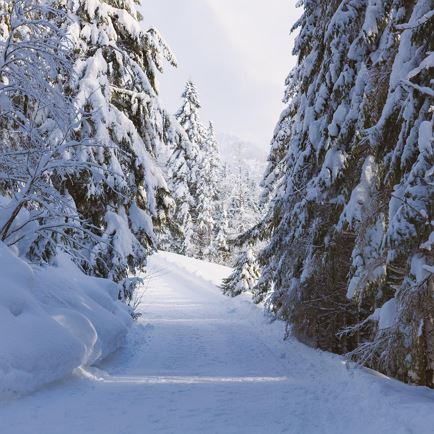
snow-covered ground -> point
(198, 362)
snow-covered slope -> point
(53, 320)
(199, 362)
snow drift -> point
(52, 321)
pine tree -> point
(204, 199)
(182, 172)
(179, 167)
(194, 172)
(240, 210)
(348, 262)
(397, 271)
(208, 198)
(114, 79)
(219, 249)
(213, 171)
(221, 252)
(243, 208)
(204, 224)
(189, 119)
(245, 275)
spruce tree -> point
(242, 202)
(348, 262)
(188, 116)
(208, 198)
(179, 169)
(221, 252)
(194, 172)
(245, 275)
(114, 81)
(204, 224)
(183, 171)
(213, 171)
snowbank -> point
(52, 321)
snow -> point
(334, 161)
(141, 221)
(426, 138)
(52, 321)
(428, 245)
(338, 119)
(419, 268)
(374, 10)
(387, 314)
(199, 362)
(118, 230)
(427, 63)
(360, 196)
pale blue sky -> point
(238, 52)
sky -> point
(237, 52)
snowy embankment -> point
(52, 321)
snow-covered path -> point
(199, 362)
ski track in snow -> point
(199, 362)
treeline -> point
(215, 201)
(82, 139)
(348, 259)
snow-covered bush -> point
(37, 131)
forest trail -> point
(199, 362)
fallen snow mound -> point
(52, 321)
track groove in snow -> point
(198, 362)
